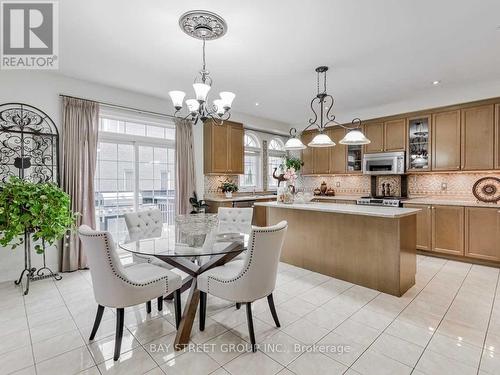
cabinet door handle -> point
(428, 207)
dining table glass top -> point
(192, 236)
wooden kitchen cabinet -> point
(395, 135)
(307, 154)
(497, 136)
(338, 154)
(223, 148)
(448, 229)
(482, 233)
(386, 136)
(424, 225)
(375, 133)
(446, 141)
(321, 162)
(236, 150)
(478, 137)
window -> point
(276, 153)
(135, 170)
(251, 179)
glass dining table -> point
(191, 256)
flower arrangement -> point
(290, 175)
(229, 188)
(291, 162)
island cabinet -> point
(446, 141)
(424, 226)
(478, 140)
(386, 136)
(482, 234)
(223, 148)
(448, 229)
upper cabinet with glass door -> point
(419, 154)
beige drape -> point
(185, 177)
(78, 163)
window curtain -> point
(78, 163)
(185, 177)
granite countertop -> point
(349, 209)
(237, 198)
(450, 201)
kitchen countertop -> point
(238, 198)
(338, 197)
(349, 209)
(450, 201)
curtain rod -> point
(120, 106)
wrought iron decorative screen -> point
(29, 144)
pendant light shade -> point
(294, 144)
(227, 98)
(201, 90)
(177, 98)
(321, 140)
(354, 137)
(219, 107)
(192, 105)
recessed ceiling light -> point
(256, 103)
(435, 83)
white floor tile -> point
(432, 363)
(136, 361)
(374, 363)
(57, 345)
(305, 331)
(398, 349)
(16, 359)
(282, 348)
(316, 364)
(253, 364)
(71, 362)
(190, 363)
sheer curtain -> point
(185, 177)
(78, 162)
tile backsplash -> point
(448, 184)
(212, 182)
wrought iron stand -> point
(32, 274)
(29, 149)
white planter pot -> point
(229, 194)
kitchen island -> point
(367, 245)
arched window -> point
(276, 154)
(251, 179)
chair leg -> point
(250, 325)
(148, 307)
(203, 310)
(238, 305)
(177, 303)
(119, 333)
(160, 303)
(270, 300)
(97, 321)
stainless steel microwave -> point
(384, 163)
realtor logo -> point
(29, 37)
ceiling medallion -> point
(202, 24)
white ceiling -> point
(378, 51)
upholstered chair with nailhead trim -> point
(118, 287)
(235, 220)
(247, 280)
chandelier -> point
(204, 25)
(322, 117)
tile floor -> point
(448, 323)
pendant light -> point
(322, 118)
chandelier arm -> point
(217, 120)
(313, 121)
(331, 117)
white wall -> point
(41, 89)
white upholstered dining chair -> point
(247, 280)
(234, 220)
(118, 287)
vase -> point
(229, 194)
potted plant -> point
(42, 210)
(199, 206)
(291, 162)
(229, 188)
